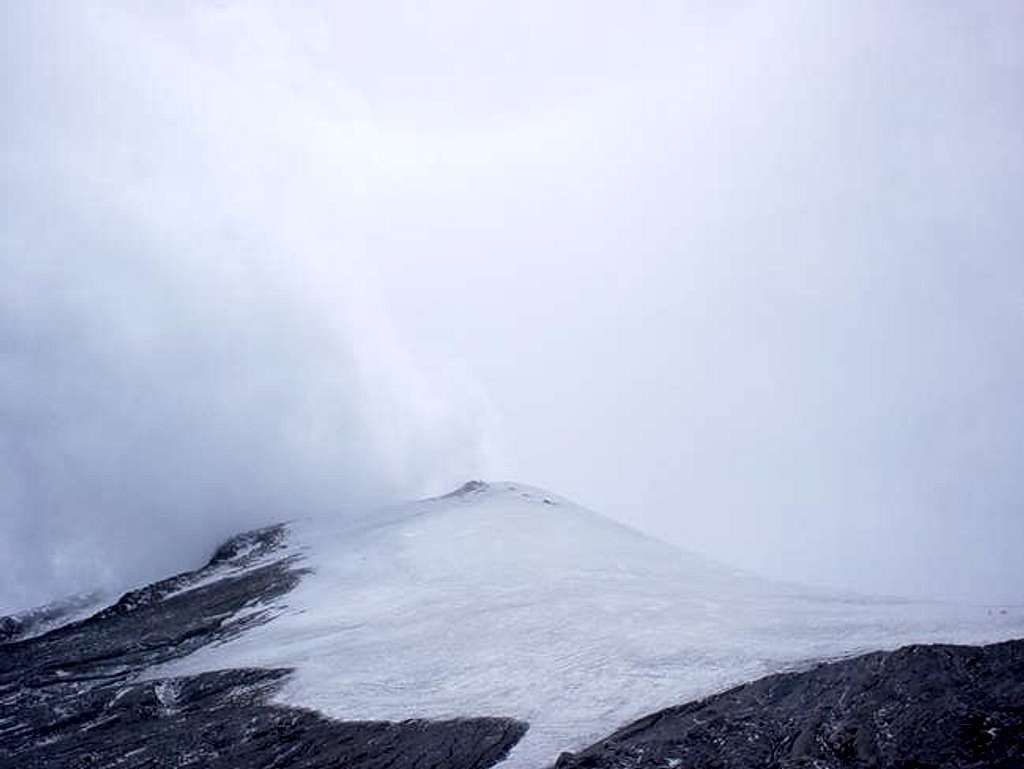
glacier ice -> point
(506, 600)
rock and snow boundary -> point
(508, 601)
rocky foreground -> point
(78, 696)
(921, 707)
(85, 695)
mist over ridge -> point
(743, 276)
(191, 345)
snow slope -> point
(505, 600)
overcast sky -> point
(749, 276)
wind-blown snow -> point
(506, 600)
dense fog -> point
(747, 276)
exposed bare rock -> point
(921, 707)
(75, 696)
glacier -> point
(502, 599)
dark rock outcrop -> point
(219, 720)
(921, 707)
(73, 697)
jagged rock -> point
(921, 707)
(42, 618)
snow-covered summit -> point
(507, 600)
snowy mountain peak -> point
(475, 488)
(502, 599)
(469, 487)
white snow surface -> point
(506, 600)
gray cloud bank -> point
(188, 342)
(746, 275)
